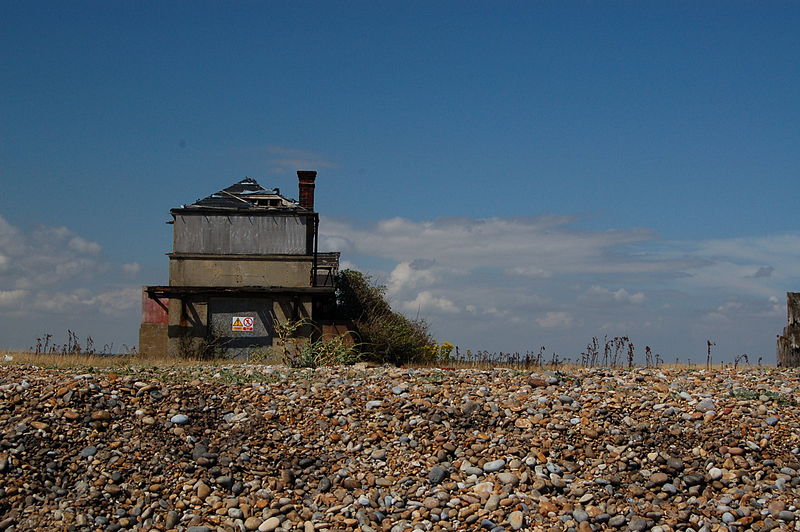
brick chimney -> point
(306, 185)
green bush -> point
(385, 335)
(294, 348)
(336, 351)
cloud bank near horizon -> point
(497, 284)
(52, 279)
(513, 284)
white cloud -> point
(117, 300)
(494, 311)
(621, 295)
(57, 301)
(722, 313)
(526, 245)
(530, 271)
(81, 245)
(11, 298)
(427, 302)
(406, 275)
(72, 267)
(114, 301)
(52, 270)
(132, 269)
(555, 319)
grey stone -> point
(469, 407)
(324, 484)
(89, 451)
(508, 478)
(693, 479)
(199, 450)
(179, 419)
(172, 519)
(617, 521)
(675, 464)
(706, 405)
(437, 474)
(225, 482)
(494, 465)
(492, 503)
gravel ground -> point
(270, 448)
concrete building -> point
(244, 259)
(788, 350)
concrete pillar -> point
(788, 350)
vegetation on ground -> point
(305, 352)
(385, 336)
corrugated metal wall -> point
(240, 235)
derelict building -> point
(243, 260)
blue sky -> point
(518, 173)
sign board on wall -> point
(242, 323)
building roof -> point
(245, 195)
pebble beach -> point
(269, 448)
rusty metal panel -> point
(222, 234)
(152, 311)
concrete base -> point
(153, 339)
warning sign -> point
(242, 323)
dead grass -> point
(567, 367)
(104, 361)
(59, 360)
